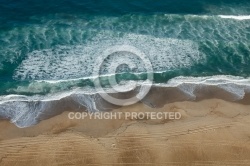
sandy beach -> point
(210, 132)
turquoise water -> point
(51, 47)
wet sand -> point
(210, 132)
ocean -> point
(50, 52)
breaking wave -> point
(25, 111)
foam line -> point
(235, 17)
(25, 111)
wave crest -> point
(25, 111)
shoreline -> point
(211, 132)
(38, 108)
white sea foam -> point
(70, 62)
(237, 86)
(235, 17)
(27, 110)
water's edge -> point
(25, 111)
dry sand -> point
(210, 132)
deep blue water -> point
(188, 38)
